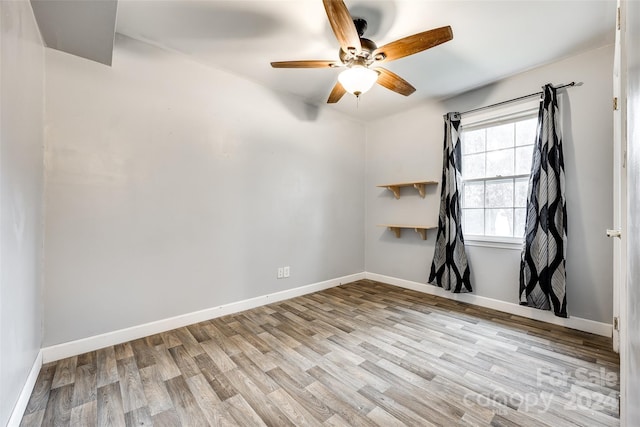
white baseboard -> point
(73, 348)
(586, 325)
(25, 394)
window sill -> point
(514, 244)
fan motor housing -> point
(368, 46)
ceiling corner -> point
(84, 28)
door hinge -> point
(618, 18)
(614, 233)
(616, 324)
(615, 103)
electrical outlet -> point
(287, 271)
(280, 272)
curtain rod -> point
(531, 95)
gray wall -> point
(630, 360)
(21, 188)
(173, 187)
(408, 146)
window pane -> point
(499, 163)
(499, 194)
(523, 159)
(474, 194)
(519, 220)
(473, 141)
(474, 221)
(473, 166)
(526, 131)
(499, 222)
(522, 188)
(494, 203)
(500, 137)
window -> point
(496, 162)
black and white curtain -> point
(542, 267)
(449, 268)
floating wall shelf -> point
(420, 229)
(418, 185)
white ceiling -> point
(492, 39)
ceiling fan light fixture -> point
(358, 79)
(358, 53)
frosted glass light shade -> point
(357, 79)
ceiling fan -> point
(362, 57)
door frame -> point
(619, 178)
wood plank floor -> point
(361, 354)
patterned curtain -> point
(542, 268)
(449, 268)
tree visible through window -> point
(496, 163)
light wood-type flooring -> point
(361, 354)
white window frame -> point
(496, 116)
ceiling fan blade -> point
(413, 44)
(315, 63)
(394, 82)
(342, 25)
(336, 93)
